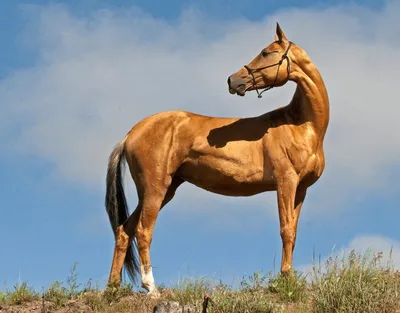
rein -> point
(254, 70)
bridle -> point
(254, 70)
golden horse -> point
(280, 150)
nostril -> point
(229, 81)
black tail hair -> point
(116, 205)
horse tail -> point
(116, 205)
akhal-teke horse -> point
(280, 150)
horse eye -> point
(264, 53)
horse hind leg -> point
(122, 251)
(176, 182)
(151, 200)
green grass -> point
(57, 294)
(20, 293)
(356, 283)
(289, 288)
(348, 283)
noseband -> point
(254, 70)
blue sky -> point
(74, 78)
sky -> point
(76, 76)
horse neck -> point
(311, 98)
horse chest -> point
(308, 164)
(302, 150)
(293, 148)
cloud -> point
(96, 76)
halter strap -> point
(253, 70)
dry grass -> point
(345, 284)
(20, 293)
(356, 283)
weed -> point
(72, 281)
(57, 294)
(289, 288)
(21, 294)
(355, 283)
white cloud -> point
(99, 75)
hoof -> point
(287, 270)
(288, 274)
(113, 285)
(154, 294)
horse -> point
(281, 150)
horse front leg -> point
(298, 203)
(289, 211)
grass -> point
(347, 283)
(20, 293)
(289, 288)
(356, 283)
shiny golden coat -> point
(281, 150)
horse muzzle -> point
(237, 85)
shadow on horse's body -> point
(281, 150)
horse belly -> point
(226, 176)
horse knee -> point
(121, 239)
(288, 234)
(143, 237)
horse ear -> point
(280, 35)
